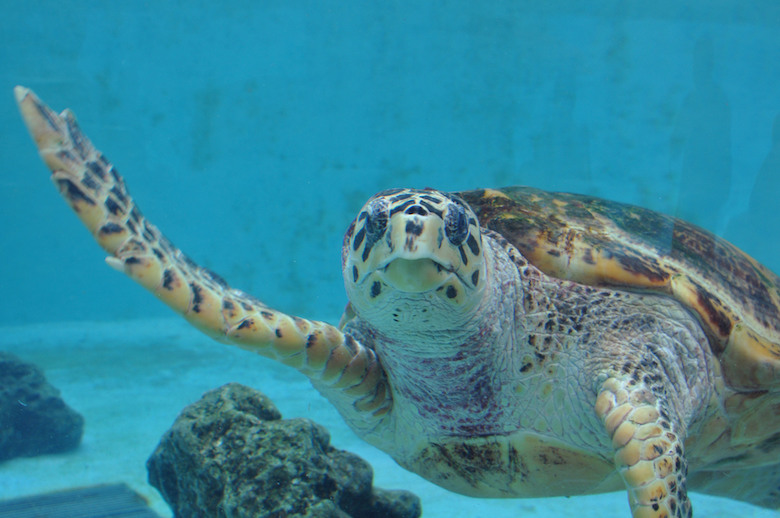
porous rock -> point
(34, 419)
(232, 455)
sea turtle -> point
(503, 342)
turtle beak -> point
(415, 265)
(414, 275)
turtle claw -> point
(20, 92)
(44, 125)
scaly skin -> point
(339, 365)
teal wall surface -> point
(252, 132)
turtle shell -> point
(604, 243)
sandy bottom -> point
(131, 379)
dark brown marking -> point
(587, 256)
(415, 228)
(169, 277)
(399, 208)
(401, 197)
(112, 206)
(278, 332)
(228, 305)
(432, 209)
(76, 137)
(451, 292)
(112, 228)
(246, 323)
(89, 182)
(359, 238)
(473, 245)
(417, 209)
(645, 266)
(428, 197)
(463, 257)
(117, 192)
(46, 114)
(96, 169)
(719, 319)
(114, 173)
(475, 277)
(73, 193)
(150, 233)
(266, 315)
(197, 297)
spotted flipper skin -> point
(90, 184)
(648, 450)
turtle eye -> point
(376, 219)
(456, 224)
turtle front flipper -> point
(648, 451)
(336, 362)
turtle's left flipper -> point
(95, 191)
(648, 452)
(78, 170)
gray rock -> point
(34, 420)
(231, 455)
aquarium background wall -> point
(252, 132)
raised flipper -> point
(648, 450)
(337, 364)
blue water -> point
(252, 132)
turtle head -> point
(414, 259)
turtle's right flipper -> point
(95, 191)
(648, 448)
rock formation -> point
(34, 420)
(231, 454)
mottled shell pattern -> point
(602, 243)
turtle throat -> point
(406, 298)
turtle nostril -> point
(416, 209)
